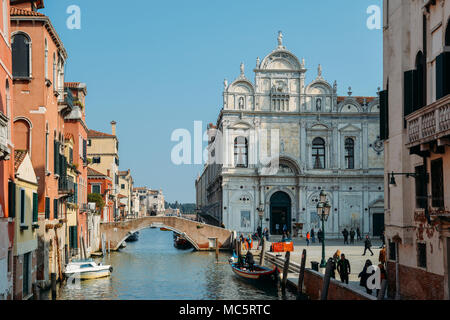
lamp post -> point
(323, 211)
(261, 215)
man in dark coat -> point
(367, 245)
(343, 268)
(345, 234)
(250, 260)
(352, 236)
(358, 234)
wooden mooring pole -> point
(326, 280)
(285, 269)
(217, 249)
(263, 252)
(301, 275)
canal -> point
(152, 269)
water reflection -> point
(153, 269)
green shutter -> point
(47, 208)
(384, 115)
(22, 206)
(442, 75)
(35, 207)
(409, 92)
(75, 193)
(55, 208)
(12, 199)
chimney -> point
(113, 127)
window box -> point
(35, 225)
(48, 82)
(23, 227)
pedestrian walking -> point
(343, 268)
(352, 236)
(266, 233)
(358, 234)
(259, 231)
(285, 228)
(307, 238)
(313, 236)
(345, 234)
(383, 275)
(367, 245)
(364, 276)
(383, 240)
(320, 235)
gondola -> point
(257, 274)
(181, 243)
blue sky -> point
(155, 66)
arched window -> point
(21, 55)
(349, 153)
(318, 153)
(22, 135)
(46, 58)
(241, 152)
(421, 81)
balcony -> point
(429, 123)
(66, 104)
(66, 186)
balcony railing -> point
(429, 123)
(66, 185)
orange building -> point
(6, 154)
(99, 183)
(40, 105)
(75, 124)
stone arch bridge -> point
(201, 236)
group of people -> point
(342, 265)
(352, 234)
(311, 236)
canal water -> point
(152, 269)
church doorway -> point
(378, 224)
(280, 213)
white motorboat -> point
(87, 269)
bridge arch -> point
(198, 234)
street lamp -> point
(323, 211)
(261, 215)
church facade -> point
(315, 140)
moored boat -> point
(133, 237)
(181, 243)
(164, 229)
(87, 269)
(258, 273)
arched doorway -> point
(280, 212)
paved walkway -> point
(352, 252)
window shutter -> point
(47, 208)
(409, 92)
(22, 206)
(56, 157)
(384, 115)
(84, 151)
(437, 184)
(35, 207)
(12, 199)
(75, 193)
(55, 208)
(442, 75)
